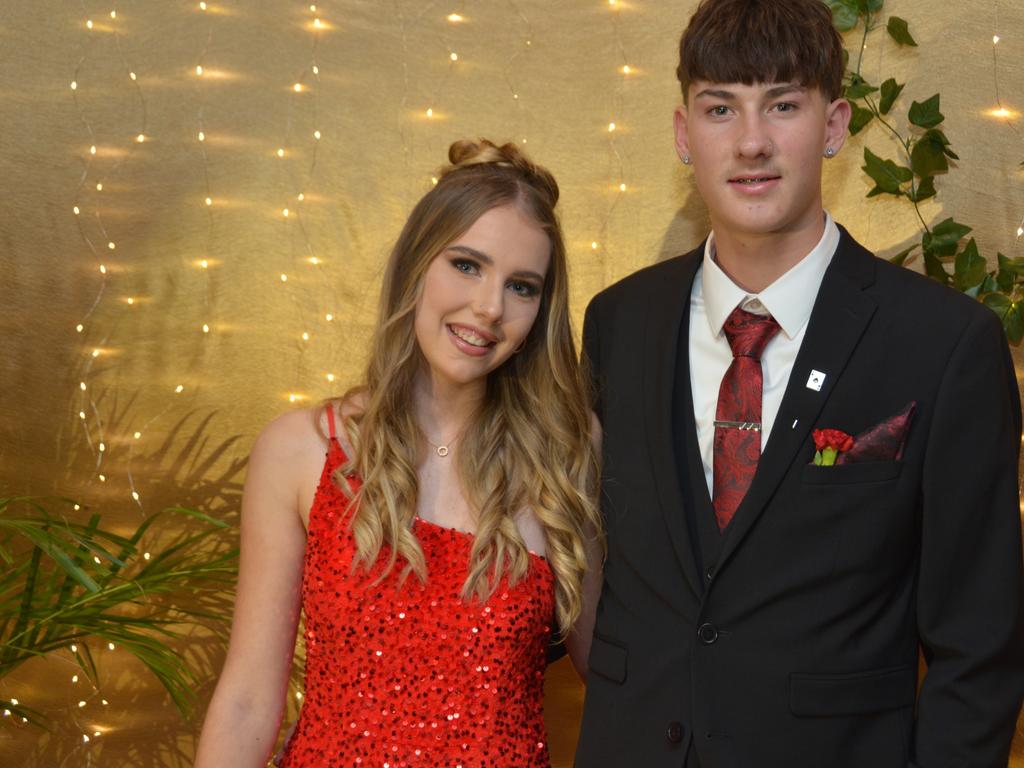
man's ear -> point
(680, 120)
(837, 123)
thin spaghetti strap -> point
(332, 432)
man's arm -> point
(970, 579)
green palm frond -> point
(70, 584)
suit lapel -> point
(840, 315)
(668, 316)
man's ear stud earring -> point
(686, 160)
(829, 152)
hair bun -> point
(466, 153)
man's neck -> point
(756, 261)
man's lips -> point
(754, 178)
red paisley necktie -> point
(738, 416)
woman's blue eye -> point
(524, 289)
(464, 266)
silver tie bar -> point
(754, 426)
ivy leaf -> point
(943, 239)
(925, 189)
(1005, 274)
(934, 268)
(997, 302)
(1013, 324)
(969, 269)
(900, 258)
(927, 157)
(885, 173)
(859, 118)
(899, 31)
(844, 14)
(890, 90)
(988, 285)
(859, 90)
(925, 114)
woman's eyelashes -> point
(526, 289)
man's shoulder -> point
(641, 286)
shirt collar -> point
(789, 299)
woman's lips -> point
(470, 341)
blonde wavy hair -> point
(528, 445)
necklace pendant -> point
(442, 451)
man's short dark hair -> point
(762, 41)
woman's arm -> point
(245, 712)
(578, 641)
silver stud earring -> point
(829, 152)
(686, 160)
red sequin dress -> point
(415, 675)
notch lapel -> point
(840, 315)
(659, 371)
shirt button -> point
(675, 732)
(707, 633)
(709, 574)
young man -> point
(759, 609)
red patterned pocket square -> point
(882, 442)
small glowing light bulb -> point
(103, 478)
(301, 197)
(330, 377)
(209, 201)
(622, 187)
(328, 317)
(132, 76)
(96, 733)
(454, 18)
(625, 69)
(593, 245)
(611, 127)
(92, 150)
(146, 555)
(314, 260)
(135, 495)
(140, 138)
(81, 415)
(202, 136)
(95, 353)
(995, 39)
(99, 186)
(285, 212)
(103, 447)
(284, 278)
(97, 560)
(82, 386)
(298, 694)
(1000, 112)
(77, 507)
(1020, 231)
(316, 135)
(199, 69)
(113, 14)
(110, 646)
(79, 327)
(316, 70)
(74, 678)
(85, 737)
(454, 56)
(312, 9)
(111, 245)
(74, 85)
(103, 271)
(137, 435)
(179, 389)
(292, 398)
(77, 210)
(82, 704)
(515, 95)
(88, 24)
(317, 24)
(305, 336)
(280, 152)
(204, 264)
(433, 180)
(206, 328)
(131, 300)
(297, 87)
(74, 648)
(202, 6)
(430, 111)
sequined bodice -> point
(412, 674)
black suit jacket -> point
(801, 648)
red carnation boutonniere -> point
(828, 444)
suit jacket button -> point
(675, 732)
(709, 574)
(707, 633)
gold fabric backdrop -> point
(257, 159)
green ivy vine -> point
(924, 154)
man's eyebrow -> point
(771, 93)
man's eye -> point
(719, 111)
(785, 107)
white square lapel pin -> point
(816, 380)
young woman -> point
(453, 523)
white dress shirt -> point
(713, 297)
